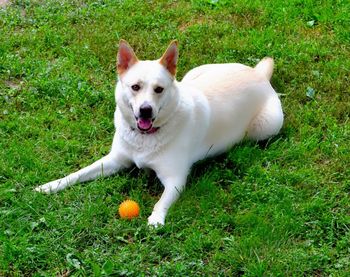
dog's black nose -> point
(145, 111)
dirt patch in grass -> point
(4, 3)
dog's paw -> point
(47, 188)
(50, 187)
(156, 219)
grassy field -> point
(279, 208)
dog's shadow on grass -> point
(228, 161)
(151, 184)
(221, 163)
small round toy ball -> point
(129, 209)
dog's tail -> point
(265, 67)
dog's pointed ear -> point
(126, 57)
(170, 57)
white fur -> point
(212, 108)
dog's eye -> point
(158, 90)
(135, 87)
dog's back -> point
(242, 102)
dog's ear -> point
(126, 57)
(170, 57)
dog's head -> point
(146, 92)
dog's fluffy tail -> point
(265, 67)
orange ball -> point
(129, 209)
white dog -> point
(167, 125)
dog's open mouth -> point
(144, 124)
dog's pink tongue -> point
(144, 124)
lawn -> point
(278, 208)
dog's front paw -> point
(50, 187)
(156, 219)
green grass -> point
(276, 209)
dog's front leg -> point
(173, 187)
(104, 167)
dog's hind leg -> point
(268, 121)
(104, 167)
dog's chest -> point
(142, 149)
(145, 158)
(143, 161)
